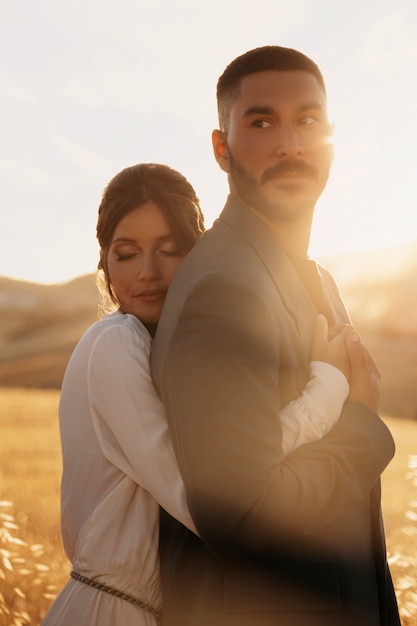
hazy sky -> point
(88, 87)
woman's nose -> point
(149, 269)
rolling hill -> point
(40, 324)
(39, 327)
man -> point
(296, 540)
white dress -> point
(119, 466)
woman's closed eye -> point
(125, 256)
(174, 253)
(165, 251)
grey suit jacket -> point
(290, 541)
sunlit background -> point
(91, 86)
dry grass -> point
(32, 562)
(33, 566)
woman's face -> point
(142, 259)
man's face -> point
(278, 149)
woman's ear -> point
(218, 140)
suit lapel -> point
(288, 283)
(291, 290)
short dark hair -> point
(133, 187)
(259, 60)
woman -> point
(119, 465)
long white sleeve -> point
(310, 416)
(128, 415)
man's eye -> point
(261, 124)
(307, 120)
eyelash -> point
(172, 253)
(124, 257)
(169, 253)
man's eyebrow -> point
(258, 110)
(268, 110)
(310, 106)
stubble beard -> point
(285, 207)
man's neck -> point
(293, 237)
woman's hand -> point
(329, 345)
(341, 346)
(365, 376)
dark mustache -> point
(285, 167)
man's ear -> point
(218, 140)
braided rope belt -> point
(118, 594)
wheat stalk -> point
(24, 577)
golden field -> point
(33, 566)
(40, 324)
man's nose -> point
(288, 141)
